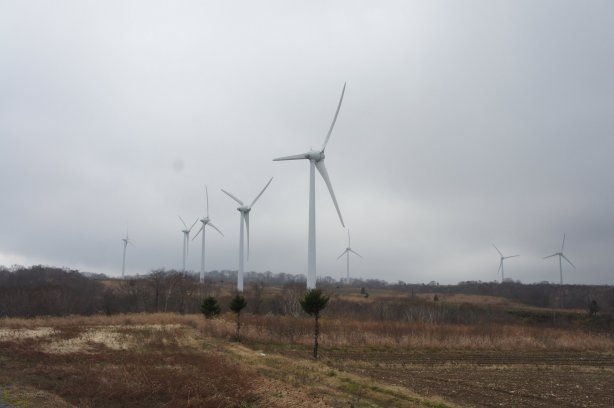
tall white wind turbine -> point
(126, 242)
(205, 221)
(501, 263)
(561, 256)
(316, 161)
(244, 219)
(347, 254)
(186, 240)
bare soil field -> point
(486, 378)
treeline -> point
(48, 291)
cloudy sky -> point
(464, 123)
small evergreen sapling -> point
(313, 303)
(237, 304)
(210, 308)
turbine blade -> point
(294, 157)
(349, 246)
(183, 222)
(199, 230)
(550, 256)
(246, 220)
(332, 125)
(563, 246)
(207, 194)
(565, 258)
(355, 253)
(233, 197)
(497, 249)
(500, 266)
(190, 229)
(511, 256)
(322, 169)
(215, 228)
(258, 196)
(131, 243)
(342, 253)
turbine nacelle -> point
(244, 209)
(315, 155)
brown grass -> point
(158, 366)
(355, 333)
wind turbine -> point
(347, 254)
(186, 240)
(561, 255)
(126, 242)
(316, 161)
(244, 219)
(205, 221)
(501, 263)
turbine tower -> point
(186, 240)
(205, 221)
(347, 254)
(561, 256)
(244, 219)
(501, 263)
(316, 161)
(126, 242)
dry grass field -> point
(171, 360)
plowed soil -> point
(490, 379)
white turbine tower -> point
(347, 254)
(501, 263)
(244, 219)
(186, 240)
(126, 242)
(561, 256)
(205, 221)
(316, 161)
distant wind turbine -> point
(244, 219)
(501, 263)
(316, 161)
(205, 221)
(347, 254)
(126, 242)
(186, 240)
(561, 256)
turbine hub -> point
(244, 209)
(205, 220)
(316, 155)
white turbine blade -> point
(199, 230)
(258, 196)
(207, 194)
(322, 169)
(342, 253)
(563, 246)
(349, 246)
(550, 256)
(511, 256)
(332, 125)
(183, 222)
(294, 157)
(214, 227)
(190, 229)
(246, 220)
(497, 249)
(500, 266)
(355, 253)
(565, 258)
(233, 197)
(131, 243)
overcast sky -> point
(464, 123)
